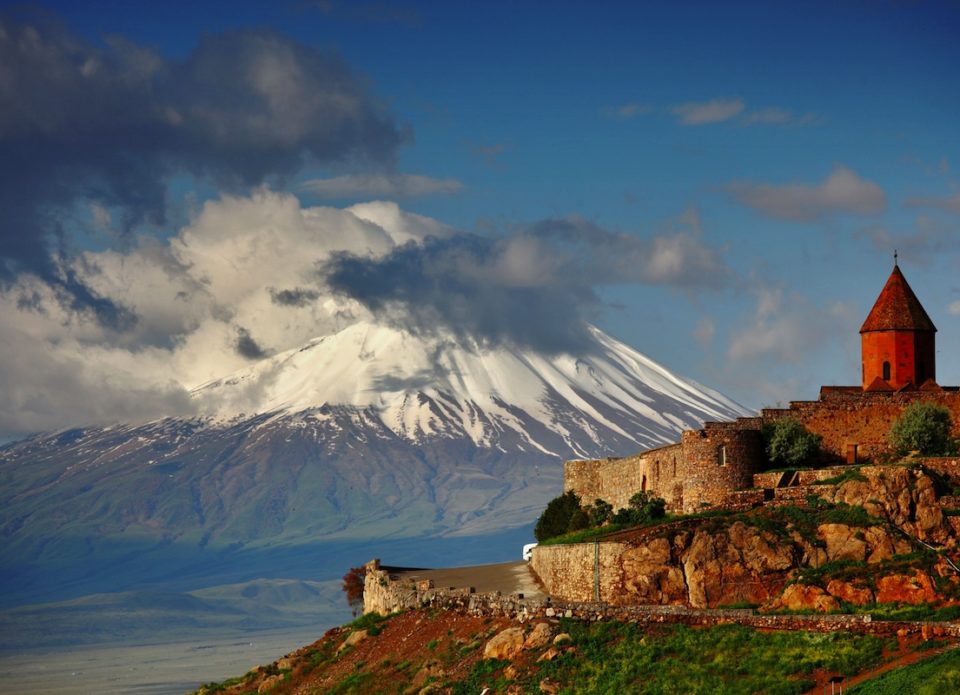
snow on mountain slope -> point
(608, 398)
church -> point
(714, 466)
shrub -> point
(923, 427)
(789, 443)
(600, 512)
(643, 508)
(556, 518)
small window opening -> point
(886, 371)
(643, 484)
(722, 456)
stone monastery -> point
(715, 466)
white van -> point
(528, 551)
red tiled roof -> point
(897, 308)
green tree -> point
(556, 518)
(600, 512)
(643, 507)
(789, 443)
(923, 427)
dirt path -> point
(905, 658)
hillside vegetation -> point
(445, 652)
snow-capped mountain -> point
(356, 439)
(608, 399)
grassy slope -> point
(417, 648)
(935, 676)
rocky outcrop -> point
(850, 592)
(799, 597)
(741, 564)
(912, 589)
(905, 497)
(749, 559)
(651, 574)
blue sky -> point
(798, 142)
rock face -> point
(899, 588)
(804, 597)
(742, 564)
(905, 497)
(850, 592)
(750, 559)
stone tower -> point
(897, 339)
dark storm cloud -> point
(534, 288)
(298, 296)
(247, 347)
(111, 125)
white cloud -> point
(787, 331)
(713, 111)
(950, 203)
(922, 244)
(625, 112)
(774, 115)
(954, 308)
(843, 191)
(195, 296)
(381, 186)
(705, 330)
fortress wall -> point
(570, 572)
(694, 473)
(616, 480)
(864, 419)
(718, 459)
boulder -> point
(882, 545)
(549, 687)
(562, 638)
(353, 639)
(799, 597)
(846, 591)
(843, 542)
(504, 645)
(269, 683)
(549, 654)
(901, 588)
(538, 637)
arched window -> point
(643, 484)
(886, 371)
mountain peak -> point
(428, 386)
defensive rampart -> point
(402, 596)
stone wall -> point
(847, 417)
(718, 459)
(702, 470)
(709, 464)
(616, 480)
(401, 597)
(581, 571)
